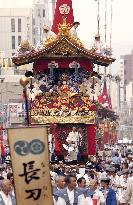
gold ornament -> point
(64, 77)
(107, 123)
(83, 88)
(64, 28)
(90, 119)
(24, 81)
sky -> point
(85, 11)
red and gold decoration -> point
(63, 7)
(63, 69)
(62, 109)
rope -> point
(111, 22)
(105, 26)
(98, 24)
(98, 16)
(105, 29)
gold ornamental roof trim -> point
(63, 45)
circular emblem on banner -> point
(21, 148)
(36, 146)
(64, 9)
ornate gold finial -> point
(64, 28)
(64, 19)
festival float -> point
(66, 88)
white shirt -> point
(99, 196)
(73, 136)
(6, 199)
(115, 181)
(53, 176)
(51, 143)
(88, 201)
(49, 34)
(4, 174)
(81, 199)
(98, 45)
(54, 201)
(71, 196)
(73, 32)
(128, 194)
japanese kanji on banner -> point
(30, 161)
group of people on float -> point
(98, 47)
(47, 83)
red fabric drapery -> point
(1, 143)
(106, 136)
(91, 134)
(55, 134)
(61, 6)
(114, 137)
(1, 133)
(99, 143)
(2, 149)
(105, 98)
(42, 65)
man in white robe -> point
(51, 143)
(98, 46)
(47, 33)
(72, 141)
(127, 197)
(73, 30)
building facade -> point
(18, 24)
(126, 97)
(39, 18)
(126, 120)
(126, 72)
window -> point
(19, 40)
(34, 31)
(12, 25)
(43, 12)
(39, 15)
(19, 25)
(34, 41)
(13, 42)
(33, 21)
(124, 62)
